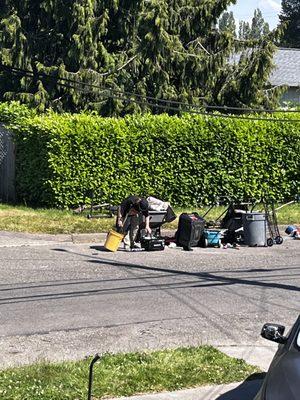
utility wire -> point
(226, 108)
(120, 96)
(170, 108)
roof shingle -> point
(287, 69)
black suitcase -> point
(153, 244)
(190, 230)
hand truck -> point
(272, 225)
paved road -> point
(66, 301)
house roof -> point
(287, 68)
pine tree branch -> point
(273, 88)
(203, 48)
(187, 54)
(192, 41)
(58, 98)
(120, 68)
(198, 43)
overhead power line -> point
(91, 85)
(229, 116)
(167, 105)
(87, 84)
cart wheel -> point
(270, 242)
(205, 243)
(89, 216)
(278, 240)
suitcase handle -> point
(148, 237)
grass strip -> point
(25, 219)
(124, 374)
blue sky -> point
(244, 10)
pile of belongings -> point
(293, 231)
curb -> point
(13, 239)
(77, 238)
(16, 239)
(101, 236)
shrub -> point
(186, 160)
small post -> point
(94, 360)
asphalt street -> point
(61, 300)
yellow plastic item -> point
(113, 240)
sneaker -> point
(136, 246)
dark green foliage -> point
(290, 21)
(187, 160)
(165, 49)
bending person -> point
(128, 220)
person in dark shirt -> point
(128, 219)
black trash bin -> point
(255, 230)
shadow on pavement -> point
(247, 390)
(100, 248)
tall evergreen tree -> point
(61, 38)
(258, 28)
(290, 21)
(244, 30)
(165, 49)
(227, 23)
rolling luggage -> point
(190, 230)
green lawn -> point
(124, 375)
(25, 219)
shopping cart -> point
(229, 223)
(157, 220)
(155, 241)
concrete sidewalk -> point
(15, 239)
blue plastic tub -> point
(212, 238)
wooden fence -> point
(7, 166)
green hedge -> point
(186, 160)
